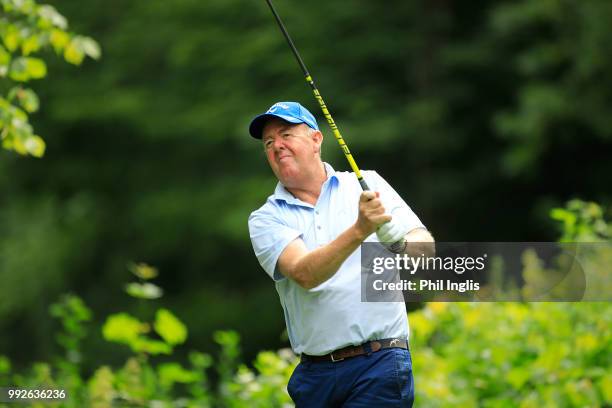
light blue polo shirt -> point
(331, 315)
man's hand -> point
(311, 268)
(392, 232)
(371, 214)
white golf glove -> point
(391, 234)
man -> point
(307, 238)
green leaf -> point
(227, 338)
(18, 71)
(26, 68)
(123, 328)
(561, 214)
(90, 47)
(30, 101)
(200, 360)
(19, 146)
(30, 45)
(59, 39)
(74, 52)
(36, 68)
(27, 98)
(143, 290)
(11, 38)
(145, 345)
(170, 373)
(50, 14)
(143, 271)
(79, 47)
(35, 146)
(170, 328)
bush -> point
(513, 354)
(145, 382)
(522, 354)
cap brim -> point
(259, 122)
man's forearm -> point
(419, 242)
(317, 266)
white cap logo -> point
(276, 106)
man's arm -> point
(420, 242)
(311, 268)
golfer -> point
(307, 238)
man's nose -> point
(278, 143)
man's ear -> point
(317, 136)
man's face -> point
(292, 150)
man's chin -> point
(287, 167)
(287, 175)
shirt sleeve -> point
(392, 201)
(269, 237)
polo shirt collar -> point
(282, 194)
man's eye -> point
(268, 144)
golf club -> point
(319, 98)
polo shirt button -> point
(317, 212)
(318, 227)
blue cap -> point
(292, 112)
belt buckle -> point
(335, 360)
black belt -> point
(354, 351)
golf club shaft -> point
(319, 98)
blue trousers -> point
(380, 379)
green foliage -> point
(126, 329)
(143, 289)
(464, 354)
(73, 314)
(512, 354)
(582, 222)
(173, 373)
(559, 73)
(522, 354)
(265, 386)
(143, 271)
(65, 370)
(229, 342)
(123, 328)
(140, 381)
(26, 28)
(144, 381)
(171, 329)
